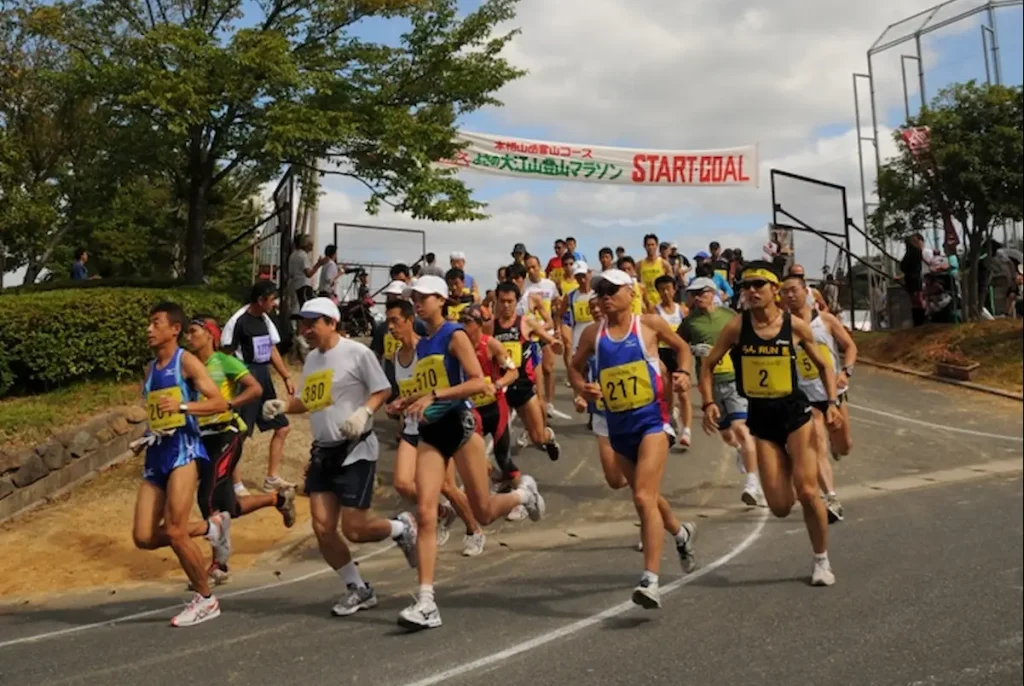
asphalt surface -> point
(929, 566)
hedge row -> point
(52, 338)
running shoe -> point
(684, 438)
(687, 555)
(524, 439)
(535, 506)
(407, 540)
(198, 610)
(240, 490)
(822, 574)
(423, 614)
(219, 536)
(647, 594)
(517, 514)
(355, 600)
(273, 484)
(287, 506)
(834, 507)
(752, 497)
(445, 518)
(473, 544)
(218, 574)
(553, 450)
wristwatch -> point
(848, 371)
(183, 408)
(834, 403)
(231, 406)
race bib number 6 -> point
(316, 390)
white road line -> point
(148, 613)
(943, 427)
(578, 626)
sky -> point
(695, 75)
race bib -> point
(807, 369)
(767, 377)
(724, 366)
(627, 386)
(484, 399)
(262, 346)
(581, 311)
(455, 310)
(514, 349)
(160, 420)
(430, 374)
(316, 390)
(223, 417)
(407, 387)
(570, 286)
(391, 346)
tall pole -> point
(996, 67)
(874, 136)
(860, 160)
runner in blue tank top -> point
(173, 383)
(447, 374)
(630, 385)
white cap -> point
(319, 307)
(394, 288)
(702, 283)
(427, 285)
(580, 268)
(457, 255)
(615, 276)
(673, 244)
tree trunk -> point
(195, 230)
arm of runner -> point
(462, 349)
(728, 338)
(502, 361)
(533, 328)
(577, 370)
(665, 334)
(849, 347)
(278, 362)
(803, 336)
(212, 402)
(251, 388)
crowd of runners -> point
(469, 375)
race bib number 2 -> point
(316, 390)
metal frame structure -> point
(912, 28)
(420, 232)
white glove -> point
(355, 425)
(700, 350)
(273, 408)
(139, 444)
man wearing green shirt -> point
(223, 436)
(701, 329)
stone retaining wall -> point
(31, 475)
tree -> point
(977, 149)
(220, 86)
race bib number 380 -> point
(316, 390)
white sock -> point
(830, 494)
(212, 530)
(681, 536)
(238, 487)
(821, 557)
(752, 483)
(426, 593)
(524, 495)
(397, 528)
(350, 575)
(650, 576)
(551, 436)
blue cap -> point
(701, 256)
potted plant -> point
(953, 364)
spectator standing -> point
(912, 266)
(330, 273)
(301, 269)
(430, 267)
(79, 272)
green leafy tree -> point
(211, 89)
(976, 156)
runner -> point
(761, 344)
(342, 387)
(638, 305)
(554, 266)
(701, 329)
(252, 337)
(174, 380)
(652, 267)
(515, 331)
(447, 373)
(673, 313)
(223, 436)
(578, 311)
(547, 290)
(461, 294)
(606, 259)
(400, 318)
(630, 384)
(457, 260)
(830, 336)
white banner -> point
(527, 159)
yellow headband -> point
(766, 274)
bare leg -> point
(548, 364)
(472, 466)
(776, 477)
(458, 499)
(430, 472)
(251, 503)
(325, 512)
(820, 446)
(405, 470)
(804, 461)
(277, 451)
(645, 479)
(533, 416)
(181, 494)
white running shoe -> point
(240, 490)
(684, 438)
(198, 610)
(647, 595)
(473, 544)
(524, 439)
(752, 497)
(517, 514)
(686, 551)
(355, 600)
(535, 506)
(423, 614)
(445, 518)
(220, 540)
(287, 507)
(407, 540)
(822, 574)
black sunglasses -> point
(606, 288)
(756, 284)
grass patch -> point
(996, 345)
(32, 419)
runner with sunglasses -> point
(624, 348)
(761, 343)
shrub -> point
(51, 338)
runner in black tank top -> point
(762, 344)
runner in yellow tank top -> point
(652, 267)
(639, 304)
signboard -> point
(918, 140)
(780, 249)
(542, 160)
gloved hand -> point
(140, 444)
(700, 350)
(273, 408)
(355, 425)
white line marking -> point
(576, 627)
(161, 610)
(903, 418)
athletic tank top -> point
(518, 347)
(765, 369)
(436, 368)
(810, 378)
(637, 306)
(673, 320)
(461, 302)
(630, 379)
(577, 315)
(649, 273)
(405, 377)
(491, 372)
(169, 382)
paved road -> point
(929, 563)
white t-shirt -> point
(405, 375)
(298, 262)
(327, 273)
(352, 373)
(547, 290)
